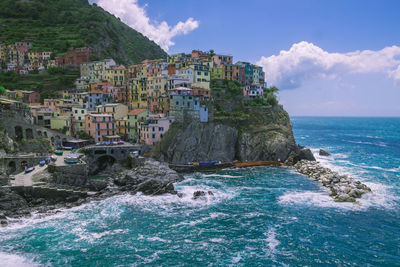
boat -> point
(71, 161)
(47, 160)
(258, 163)
(72, 158)
(67, 147)
(58, 152)
(28, 170)
(42, 163)
(208, 163)
(53, 157)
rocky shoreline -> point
(150, 178)
(153, 178)
(342, 187)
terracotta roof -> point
(137, 111)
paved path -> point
(25, 179)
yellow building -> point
(217, 73)
(137, 94)
(156, 85)
(117, 76)
(134, 118)
(122, 129)
(201, 73)
(58, 123)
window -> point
(154, 129)
(198, 73)
(153, 136)
(161, 129)
(76, 111)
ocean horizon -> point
(262, 216)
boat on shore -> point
(72, 158)
(28, 170)
(58, 152)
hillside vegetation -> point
(59, 25)
(48, 84)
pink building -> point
(100, 125)
(153, 69)
(252, 91)
(154, 129)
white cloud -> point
(136, 17)
(306, 61)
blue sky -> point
(317, 75)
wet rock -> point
(342, 188)
(324, 153)
(210, 193)
(199, 194)
(150, 178)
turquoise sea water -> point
(257, 217)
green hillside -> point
(59, 25)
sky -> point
(328, 58)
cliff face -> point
(258, 133)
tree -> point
(212, 53)
(83, 135)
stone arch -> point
(29, 133)
(19, 133)
(39, 133)
(11, 167)
(45, 134)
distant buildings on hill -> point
(138, 103)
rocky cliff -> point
(239, 131)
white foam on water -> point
(217, 240)
(212, 216)
(14, 260)
(156, 238)
(317, 199)
(271, 242)
(222, 176)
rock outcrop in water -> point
(342, 188)
(150, 178)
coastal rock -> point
(150, 178)
(11, 202)
(324, 153)
(203, 142)
(199, 194)
(97, 185)
(342, 188)
(266, 136)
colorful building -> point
(116, 110)
(100, 125)
(154, 129)
(134, 118)
(97, 98)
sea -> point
(264, 216)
